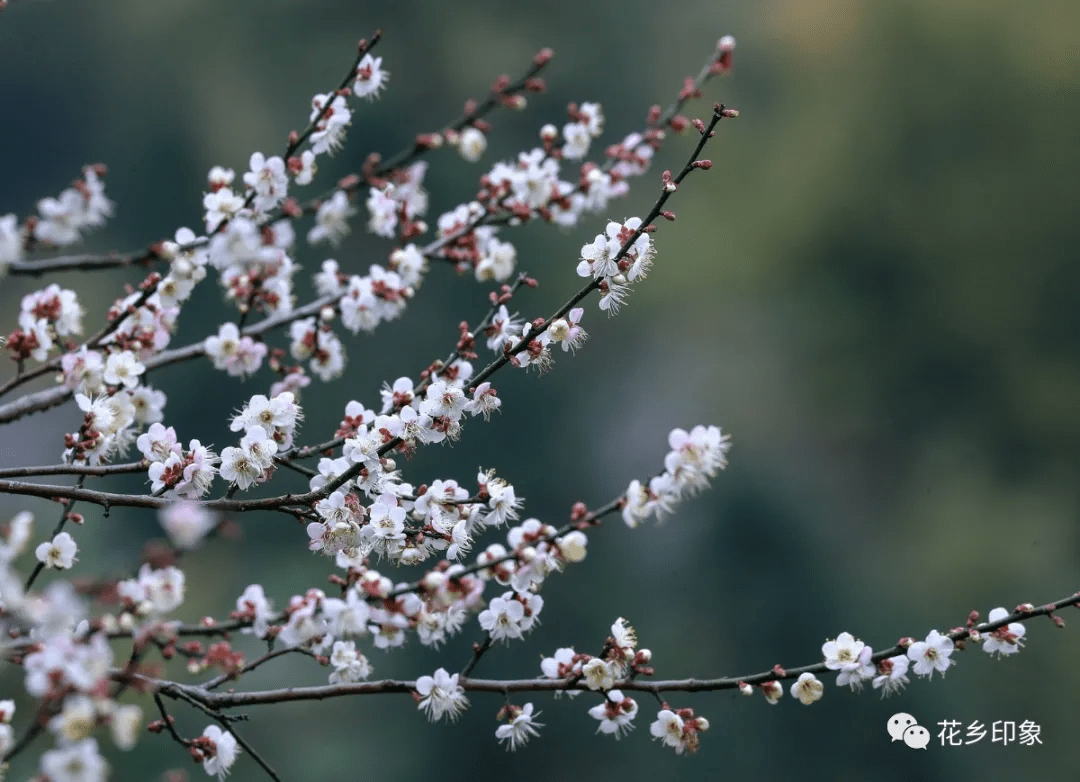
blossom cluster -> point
(621, 661)
(854, 660)
(60, 221)
(480, 564)
(695, 457)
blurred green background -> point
(872, 291)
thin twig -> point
(478, 652)
(64, 515)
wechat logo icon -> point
(903, 727)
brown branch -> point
(74, 469)
(225, 700)
(87, 262)
(217, 681)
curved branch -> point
(226, 700)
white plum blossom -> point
(76, 719)
(502, 618)
(340, 530)
(235, 354)
(186, 523)
(853, 674)
(598, 674)
(58, 307)
(154, 591)
(124, 725)
(77, 762)
(521, 728)
(932, 654)
(333, 117)
(149, 404)
(254, 604)
(349, 617)
(332, 220)
(241, 467)
(370, 77)
(668, 727)
(892, 675)
(598, 258)
(678, 729)
(564, 664)
(484, 401)
(303, 167)
(592, 116)
(772, 691)
(221, 205)
(19, 530)
(85, 205)
(441, 696)
(58, 553)
(11, 242)
(613, 294)
(807, 689)
(576, 139)
(382, 209)
(220, 756)
(304, 626)
(349, 665)
(123, 369)
(1005, 640)
(616, 713)
(497, 261)
(566, 331)
(83, 371)
(471, 144)
(268, 179)
(219, 177)
(850, 657)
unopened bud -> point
(549, 132)
(745, 689)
